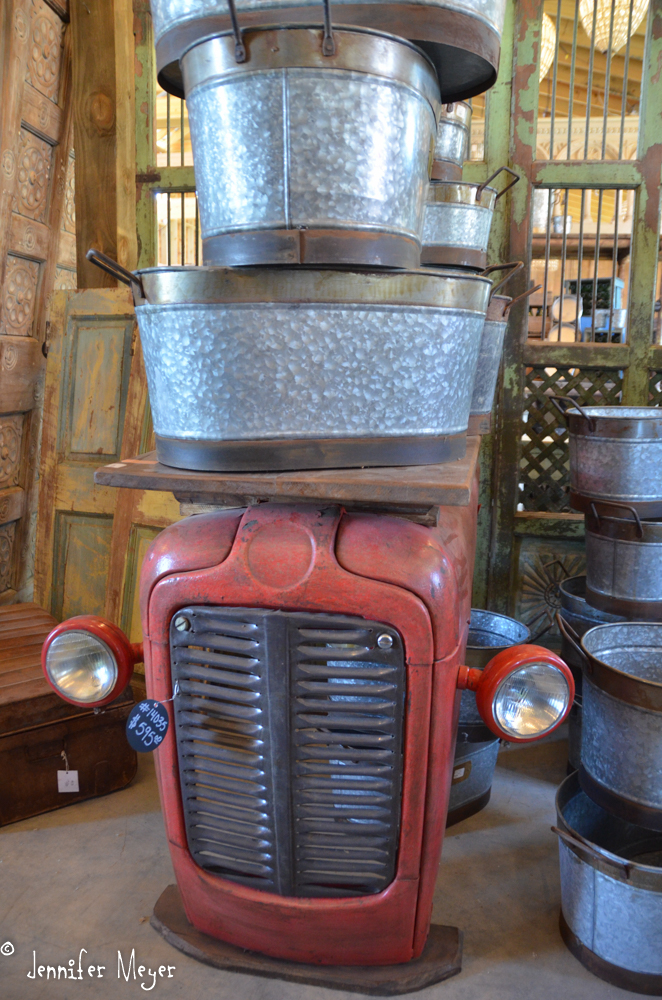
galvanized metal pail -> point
(275, 368)
(458, 219)
(621, 755)
(611, 892)
(471, 784)
(306, 157)
(615, 454)
(452, 146)
(623, 561)
(489, 633)
(462, 37)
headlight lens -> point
(81, 666)
(531, 700)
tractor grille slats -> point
(289, 735)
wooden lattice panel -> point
(544, 464)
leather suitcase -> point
(36, 727)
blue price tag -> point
(147, 725)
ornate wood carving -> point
(34, 166)
(20, 289)
(7, 537)
(45, 53)
(11, 432)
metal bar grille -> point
(289, 735)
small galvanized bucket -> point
(621, 755)
(299, 149)
(489, 633)
(458, 219)
(611, 892)
(452, 146)
(615, 454)
(623, 561)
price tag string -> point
(175, 692)
(64, 757)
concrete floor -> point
(87, 877)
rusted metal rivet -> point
(384, 641)
(182, 624)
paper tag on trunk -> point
(67, 781)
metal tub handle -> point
(481, 187)
(116, 271)
(559, 400)
(574, 840)
(512, 267)
(568, 632)
(518, 298)
(328, 41)
(622, 506)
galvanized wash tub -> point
(615, 454)
(462, 37)
(308, 158)
(257, 369)
(471, 784)
(489, 633)
(623, 561)
(611, 892)
(458, 218)
(621, 756)
(452, 146)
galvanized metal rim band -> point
(648, 611)
(459, 116)
(358, 50)
(218, 285)
(649, 983)
(620, 685)
(640, 423)
(642, 876)
(622, 530)
(648, 508)
(629, 810)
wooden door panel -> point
(81, 560)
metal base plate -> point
(331, 247)
(644, 508)
(308, 453)
(441, 958)
(612, 802)
(464, 50)
(475, 260)
(468, 809)
(635, 610)
(636, 982)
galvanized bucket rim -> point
(315, 26)
(632, 872)
(621, 412)
(637, 691)
(494, 615)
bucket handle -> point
(559, 400)
(481, 187)
(116, 271)
(512, 267)
(568, 632)
(574, 840)
(622, 506)
(518, 298)
(328, 41)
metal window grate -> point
(173, 136)
(590, 88)
(289, 735)
(179, 239)
(544, 461)
(581, 236)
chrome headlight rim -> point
(123, 653)
(94, 698)
(512, 734)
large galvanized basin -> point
(462, 37)
(471, 784)
(307, 158)
(623, 561)
(611, 892)
(253, 368)
(621, 755)
(615, 454)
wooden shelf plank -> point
(421, 486)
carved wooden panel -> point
(69, 212)
(11, 433)
(65, 279)
(20, 292)
(7, 537)
(34, 168)
(45, 52)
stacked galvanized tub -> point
(311, 337)
(610, 811)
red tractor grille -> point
(289, 736)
